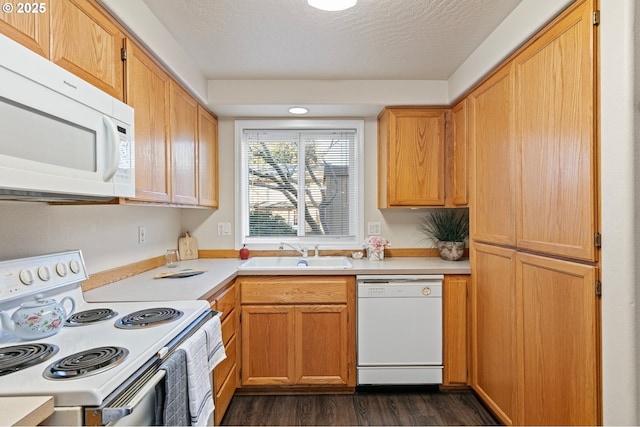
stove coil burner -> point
(18, 357)
(89, 317)
(86, 363)
(148, 317)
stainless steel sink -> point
(289, 263)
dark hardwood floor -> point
(364, 408)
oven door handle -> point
(110, 415)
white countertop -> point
(25, 410)
(143, 287)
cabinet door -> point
(561, 353)
(225, 374)
(87, 43)
(148, 94)
(556, 130)
(411, 157)
(29, 29)
(455, 324)
(184, 130)
(493, 161)
(458, 155)
(494, 330)
(322, 345)
(207, 158)
(267, 347)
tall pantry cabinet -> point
(534, 229)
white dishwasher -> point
(399, 329)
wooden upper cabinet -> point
(29, 29)
(560, 312)
(88, 43)
(184, 133)
(556, 131)
(148, 93)
(207, 158)
(458, 155)
(411, 155)
(493, 161)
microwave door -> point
(119, 151)
(60, 135)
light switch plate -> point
(224, 229)
(373, 228)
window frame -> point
(241, 189)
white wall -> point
(398, 226)
(106, 234)
(620, 121)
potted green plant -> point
(447, 229)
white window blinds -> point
(300, 184)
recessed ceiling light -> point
(298, 110)
(332, 5)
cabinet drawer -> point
(229, 327)
(224, 395)
(222, 370)
(226, 301)
(298, 289)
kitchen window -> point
(300, 182)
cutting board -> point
(188, 247)
(178, 274)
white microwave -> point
(60, 137)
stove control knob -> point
(61, 269)
(26, 277)
(44, 274)
(74, 266)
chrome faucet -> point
(301, 250)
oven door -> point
(140, 410)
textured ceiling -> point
(288, 39)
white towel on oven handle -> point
(215, 344)
(198, 378)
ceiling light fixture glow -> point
(332, 5)
(298, 110)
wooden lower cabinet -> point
(560, 348)
(535, 333)
(298, 331)
(455, 320)
(225, 375)
(494, 330)
(267, 357)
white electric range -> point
(127, 346)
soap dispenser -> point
(244, 252)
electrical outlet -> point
(224, 229)
(374, 228)
(142, 235)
